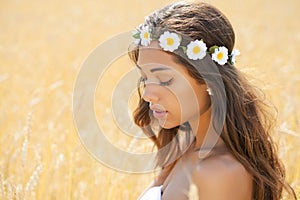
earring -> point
(209, 91)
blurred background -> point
(42, 46)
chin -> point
(168, 125)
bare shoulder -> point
(222, 177)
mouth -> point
(158, 112)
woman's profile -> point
(210, 125)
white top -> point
(153, 193)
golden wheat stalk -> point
(24, 151)
(27, 132)
(33, 181)
(2, 187)
(9, 188)
(19, 192)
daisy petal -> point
(220, 55)
(196, 50)
(169, 41)
(145, 37)
(234, 53)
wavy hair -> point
(248, 118)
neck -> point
(206, 138)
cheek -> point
(189, 103)
(186, 102)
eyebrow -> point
(155, 69)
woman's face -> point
(174, 96)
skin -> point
(221, 176)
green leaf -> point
(230, 59)
(180, 38)
(183, 48)
(151, 36)
(137, 36)
(212, 49)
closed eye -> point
(161, 83)
(166, 83)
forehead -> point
(155, 56)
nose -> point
(150, 93)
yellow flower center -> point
(146, 35)
(196, 50)
(220, 56)
(170, 41)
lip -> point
(158, 112)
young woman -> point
(211, 127)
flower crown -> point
(195, 50)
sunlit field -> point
(44, 43)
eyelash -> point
(165, 83)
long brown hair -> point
(248, 120)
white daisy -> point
(234, 53)
(196, 50)
(169, 41)
(145, 36)
(220, 55)
(136, 35)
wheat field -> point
(42, 46)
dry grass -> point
(43, 43)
